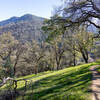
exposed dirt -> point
(95, 83)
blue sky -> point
(43, 8)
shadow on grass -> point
(62, 85)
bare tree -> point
(19, 50)
(33, 55)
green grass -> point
(98, 69)
(72, 83)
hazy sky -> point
(43, 8)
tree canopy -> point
(80, 12)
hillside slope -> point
(26, 27)
(72, 83)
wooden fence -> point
(12, 91)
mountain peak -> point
(31, 17)
(26, 17)
(26, 27)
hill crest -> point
(26, 27)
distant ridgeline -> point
(27, 27)
(24, 28)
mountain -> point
(26, 27)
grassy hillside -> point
(71, 83)
(98, 67)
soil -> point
(95, 83)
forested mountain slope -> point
(26, 27)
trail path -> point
(95, 83)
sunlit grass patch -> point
(71, 83)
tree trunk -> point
(85, 57)
(74, 59)
(36, 69)
(17, 58)
(58, 65)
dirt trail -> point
(95, 83)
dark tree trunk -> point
(85, 57)
(74, 61)
(36, 69)
(58, 65)
(17, 58)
